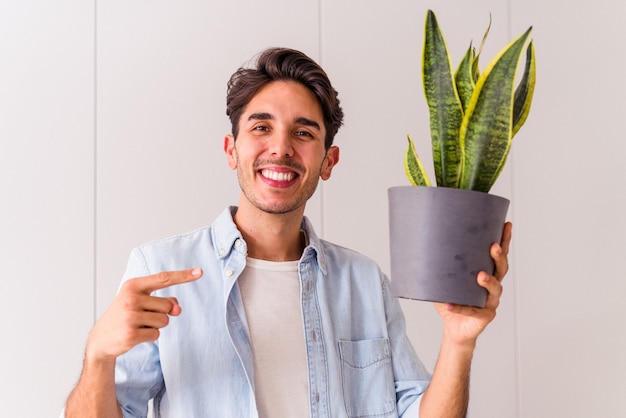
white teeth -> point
(277, 176)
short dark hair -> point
(283, 64)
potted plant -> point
(440, 236)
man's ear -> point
(331, 159)
(229, 149)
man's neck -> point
(273, 237)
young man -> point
(276, 322)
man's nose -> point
(281, 144)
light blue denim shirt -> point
(360, 361)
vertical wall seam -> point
(516, 289)
(95, 161)
(320, 52)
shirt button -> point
(222, 252)
(238, 243)
(228, 273)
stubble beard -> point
(276, 208)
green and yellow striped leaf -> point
(413, 166)
(464, 77)
(486, 131)
(446, 111)
(475, 69)
(525, 90)
(522, 100)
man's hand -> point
(448, 393)
(135, 316)
(463, 324)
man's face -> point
(279, 153)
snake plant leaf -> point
(464, 77)
(413, 166)
(446, 111)
(525, 90)
(475, 69)
(522, 100)
(486, 131)
(468, 71)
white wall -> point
(47, 125)
(111, 125)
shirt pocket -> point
(367, 378)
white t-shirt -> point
(271, 295)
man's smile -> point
(279, 177)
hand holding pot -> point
(463, 324)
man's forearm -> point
(94, 395)
(448, 393)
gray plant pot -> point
(440, 239)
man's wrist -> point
(462, 346)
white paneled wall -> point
(112, 117)
(47, 200)
(571, 214)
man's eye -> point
(304, 134)
(261, 128)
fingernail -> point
(197, 272)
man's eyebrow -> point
(260, 116)
(308, 122)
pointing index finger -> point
(165, 279)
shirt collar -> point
(314, 249)
(227, 238)
(225, 234)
